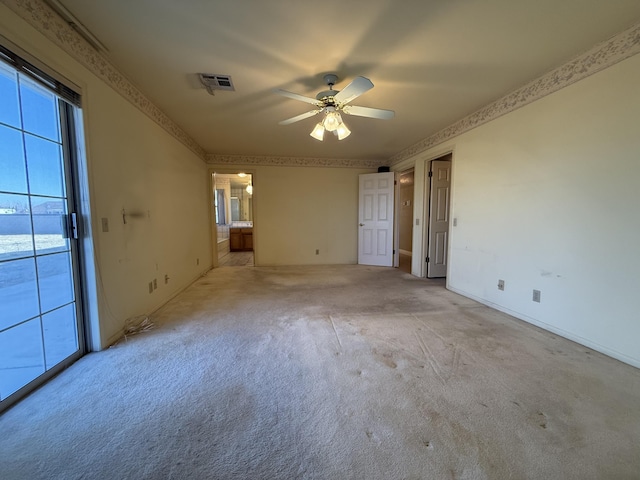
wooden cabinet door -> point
(235, 240)
(247, 241)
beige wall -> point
(298, 210)
(133, 164)
(546, 198)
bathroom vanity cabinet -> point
(240, 239)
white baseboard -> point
(635, 362)
(120, 334)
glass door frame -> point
(70, 135)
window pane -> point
(55, 280)
(20, 356)
(9, 109)
(60, 335)
(39, 110)
(12, 166)
(49, 227)
(15, 227)
(44, 165)
(18, 292)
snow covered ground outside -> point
(11, 244)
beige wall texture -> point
(546, 198)
(135, 166)
(298, 210)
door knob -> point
(361, 224)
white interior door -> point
(440, 175)
(375, 219)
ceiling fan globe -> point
(332, 120)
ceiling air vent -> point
(212, 82)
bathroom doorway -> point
(405, 219)
(232, 208)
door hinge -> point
(394, 252)
(426, 260)
(430, 174)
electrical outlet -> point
(500, 284)
(150, 287)
(155, 283)
(317, 252)
(536, 296)
(166, 279)
(455, 222)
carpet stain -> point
(372, 436)
(542, 419)
(386, 358)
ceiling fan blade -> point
(353, 90)
(368, 112)
(297, 118)
(295, 96)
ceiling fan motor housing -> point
(327, 95)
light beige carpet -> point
(344, 372)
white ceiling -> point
(432, 61)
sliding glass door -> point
(40, 324)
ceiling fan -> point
(331, 102)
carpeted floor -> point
(341, 372)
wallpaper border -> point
(250, 160)
(605, 54)
(51, 25)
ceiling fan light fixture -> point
(331, 102)
(342, 131)
(332, 120)
(318, 132)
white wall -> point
(298, 210)
(132, 164)
(546, 198)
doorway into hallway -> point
(405, 219)
(232, 195)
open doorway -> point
(405, 219)
(232, 206)
(438, 193)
